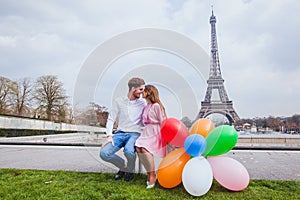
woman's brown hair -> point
(153, 96)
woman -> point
(150, 144)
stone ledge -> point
(289, 140)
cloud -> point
(258, 42)
(7, 41)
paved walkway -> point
(270, 165)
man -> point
(129, 111)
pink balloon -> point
(230, 173)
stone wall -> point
(7, 122)
(269, 140)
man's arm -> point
(111, 118)
(110, 121)
(108, 132)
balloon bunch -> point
(198, 159)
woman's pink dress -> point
(151, 138)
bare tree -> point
(22, 97)
(292, 124)
(7, 89)
(101, 113)
(50, 97)
(274, 123)
(93, 114)
(70, 117)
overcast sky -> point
(258, 44)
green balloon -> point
(220, 140)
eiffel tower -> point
(216, 99)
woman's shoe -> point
(153, 180)
(150, 186)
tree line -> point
(45, 98)
(279, 124)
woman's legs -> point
(151, 167)
(147, 160)
(142, 159)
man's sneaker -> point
(128, 176)
(119, 175)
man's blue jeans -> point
(121, 139)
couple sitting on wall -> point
(138, 130)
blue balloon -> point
(195, 144)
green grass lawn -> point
(37, 184)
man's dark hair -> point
(135, 82)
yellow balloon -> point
(170, 169)
(202, 126)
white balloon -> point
(197, 176)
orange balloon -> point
(170, 169)
(202, 126)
